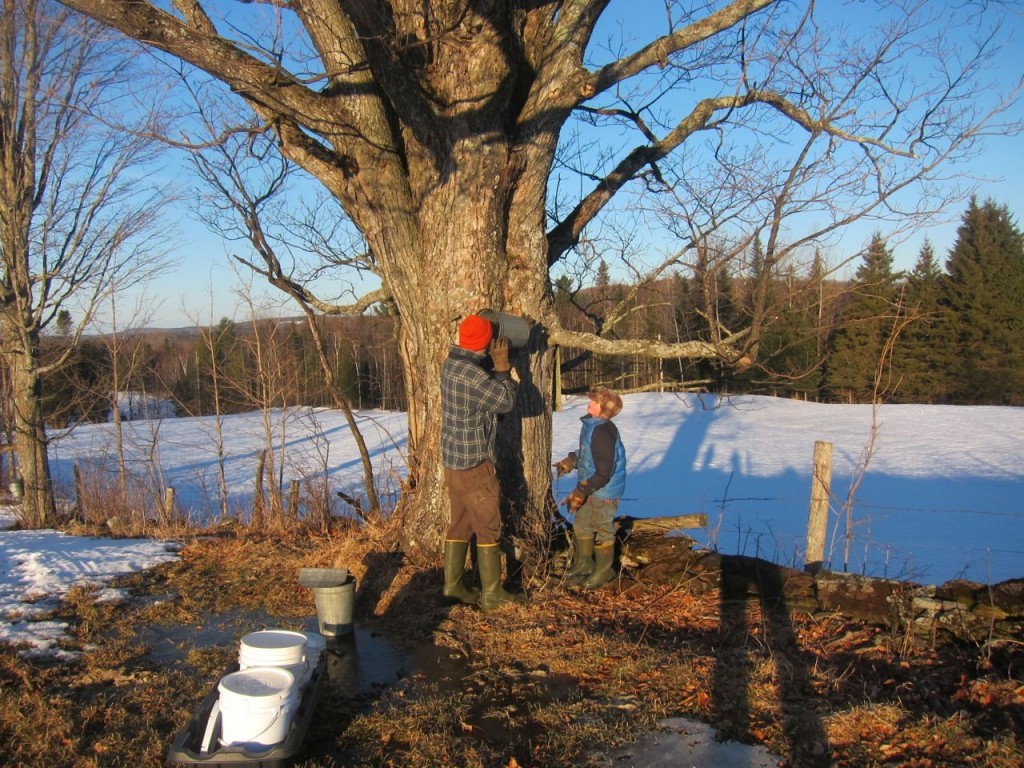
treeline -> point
(950, 335)
(232, 367)
(933, 335)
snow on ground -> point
(940, 498)
(38, 568)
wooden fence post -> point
(817, 523)
(168, 503)
(293, 500)
(79, 493)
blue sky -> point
(203, 284)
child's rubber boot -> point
(604, 570)
(582, 561)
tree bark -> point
(31, 444)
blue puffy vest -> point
(585, 460)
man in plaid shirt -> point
(471, 399)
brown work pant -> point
(474, 498)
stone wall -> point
(955, 610)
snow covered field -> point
(941, 497)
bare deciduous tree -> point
(237, 209)
(75, 214)
(124, 367)
(437, 127)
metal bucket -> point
(334, 608)
(514, 328)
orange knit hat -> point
(475, 333)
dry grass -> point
(560, 681)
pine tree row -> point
(928, 336)
(934, 336)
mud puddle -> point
(357, 663)
(362, 666)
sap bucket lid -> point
(258, 684)
(514, 328)
(274, 643)
(316, 578)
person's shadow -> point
(750, 631)
(744, 623)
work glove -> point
(499, 355)
(574, 500)
(566, 465)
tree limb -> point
(654, 348)
(657, 53)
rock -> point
(958, 609)
(1008, 596)
(857, 597)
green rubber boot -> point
(582, 561)
(493, 596)
(604, 562)
(454, 570)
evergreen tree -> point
(80, 388)
(216, 376)
(760, 291)
(920, 359)
(714, 313)
(793, 343)
(758, 260)
(984, 294)
(65, 325)
(347, 378)
(864, 326)
(563, 291)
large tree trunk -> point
(455, 217)
(30, 441)
(459, 266)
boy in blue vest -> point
(601, 471)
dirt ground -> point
(569, 679)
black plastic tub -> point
(187, 746)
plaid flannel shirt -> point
(471, 399)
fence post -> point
(168, 503)
(293, 500)
(79, 493)
(817, 523)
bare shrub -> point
(129, 510)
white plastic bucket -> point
(256, 707)
(316, 644)
(275, 648)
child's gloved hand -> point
(566, 465)
(574, 500)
